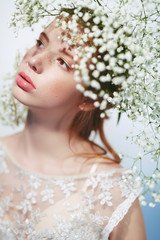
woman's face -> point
(45, 78)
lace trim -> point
(119, 214)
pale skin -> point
(53, 105)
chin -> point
(15, 91)
(18, 94)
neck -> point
(44, 135)
(44, 146)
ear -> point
(86, 105)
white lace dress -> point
(84, 207)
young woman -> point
(54, 182)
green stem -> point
(98, 2)
(45, 10)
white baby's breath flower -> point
(128, 56)
(92, 49)
(101, 93)
(106, 57)
(75, 17)
(156, 197)
(65, 14)
(86, 80)
(70, 42)
(86, 17)
(112, 62)
(97, 34)
(80, 14)
(80, 87)
(90, 94)
(64, 25)
(102, 115)
(96, 104)
(151, 204)
(95, 73)
(95, 84)
(152, 185)
(94, 60)
(75, 58)
(106, 96)
(101, 66)
(144, 203)
(103, 49)
(81, 42)
(105, 78)
(78, 79)
(141, 198)
(89, 55)
(103, 105)
(94, 28)
(87, 30)
(97, 20)
(91, 67)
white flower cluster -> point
(30, 12)
(117, 64)
(12, 112)
(150, 184)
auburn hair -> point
(83, 124)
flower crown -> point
(106, 53)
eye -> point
(39, 43)
(63, 64)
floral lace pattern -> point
(59, 208)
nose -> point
(35, 62)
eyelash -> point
(63, 62)
(39, 43)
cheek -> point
(59, 82)
(59, 91)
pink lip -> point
(25, 82)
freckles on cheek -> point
(61, 90)
(50, 89)
(58, 89)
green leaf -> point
(119, 117)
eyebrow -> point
(45, 36)
(64, 51)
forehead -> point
(52, 28)
(67, 32)
(53, 32)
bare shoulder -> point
(132, 226)
(107, 165)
